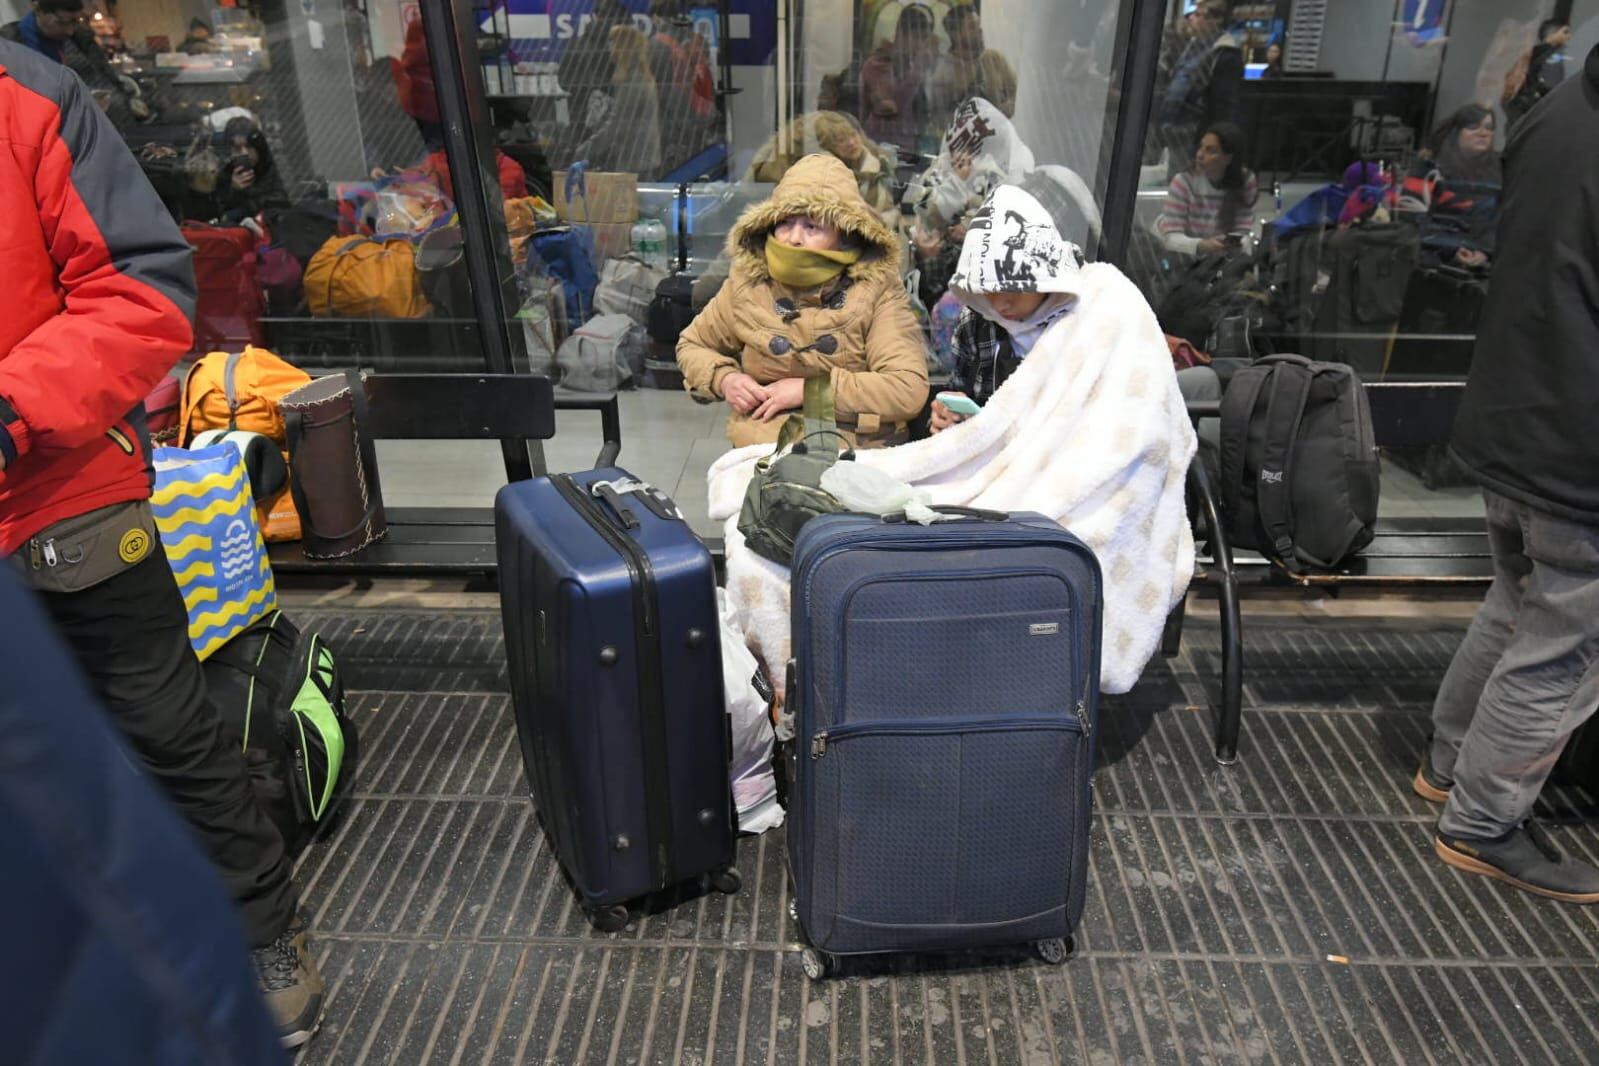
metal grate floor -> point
(1221, 903)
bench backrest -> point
(460, 407)
(1405, 415)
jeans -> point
(130, 635)
(1527, 674)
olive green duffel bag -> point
(786, 490)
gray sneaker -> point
(1524, 858)
(291, 984)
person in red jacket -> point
(413, 80)
(513, 179)
(100, 295)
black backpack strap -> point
(293, 427)
(1285, 409)
(1237, 412)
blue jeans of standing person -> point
(1527, 674)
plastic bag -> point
(590, 360)
(866, 490)
(946, 315)
(408, 207)
(936, 361)
(749, 714)
(627, 286)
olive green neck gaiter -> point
(805, 268)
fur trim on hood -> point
(1012, 245)
(823, 188)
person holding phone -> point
(1016, 278)
(249, 179)
(1211, 206)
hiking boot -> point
(1525, 858)
(291, 984)
(1428, 783)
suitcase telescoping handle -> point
(970, 514)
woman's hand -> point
(743, 392)
(1470, 257)
(1211, 245)
(943, 418)
(243, 178)
(781, 396)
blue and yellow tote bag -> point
(208, 525)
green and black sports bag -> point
(278, 693)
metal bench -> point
(1405, 553)
(511, 408)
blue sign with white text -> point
(540, 30)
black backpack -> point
(1299, 466)
(278, 694)
(1211, 287)
(672, 309)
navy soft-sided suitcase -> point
(611, 631)
(944, 692)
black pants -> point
(130, 635)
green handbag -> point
(786, 490)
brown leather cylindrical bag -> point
(333, 469)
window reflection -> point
(1328, 183)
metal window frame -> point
(1138, 33)
(450, 28)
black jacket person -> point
(1526, 424)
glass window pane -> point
(687, 116)
(300, 146)
(1324, 179)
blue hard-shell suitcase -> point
(944, 692)
(611, 631)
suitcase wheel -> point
(726, 881)
(612, 919)
(818, 964)
(1055, 950)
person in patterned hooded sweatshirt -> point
(814, 291)
(1016, 276)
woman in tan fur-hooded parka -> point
(814, 290)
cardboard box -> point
(612, 240)
(610, 198)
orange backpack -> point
(358, 277)
(241, 390)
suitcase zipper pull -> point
(50, 556)
(819, 745)
(34, 558)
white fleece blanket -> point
(1090, 430)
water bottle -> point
(657, 244)
(638, 239)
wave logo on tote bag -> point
(238, 554)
